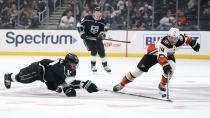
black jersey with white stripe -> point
(93, 28)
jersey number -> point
(161, 49)
(94, 29)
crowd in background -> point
(28, 13)
(142, 14)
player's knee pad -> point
(70, 92)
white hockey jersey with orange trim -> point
(163, 47)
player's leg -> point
(101, 52)
(143, 66)
(93, 59)
(91, 46)
(164, 80)
(26, 75)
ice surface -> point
(189, 90)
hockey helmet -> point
(71, 60)
(97, 13)
(97, 8)
(173, 35)
(174, 32)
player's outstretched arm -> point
(89, 86)
(193, 43)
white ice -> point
(189, 90)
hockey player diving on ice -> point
(161, 52)
(58, 75)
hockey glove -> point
(69, 91)
(167, 68)
(89, 86)
(83, 36)
(100, 36)
(59, 89)
(195, 45)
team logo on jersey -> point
(94, 29)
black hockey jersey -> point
(91, 27)
(55, 73)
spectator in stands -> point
(85, 11)
(7, 4)
(5, 19)
(35, 11)
(107, 18)
(1, 5)
(67, 22)
(138, 22)
(181, 18)
(25, 4)
(14, 16)
(108, 6)
(25, 21)
(166, 22)
(70, 8)
(41, 5)
(117, 21)
(192, 12)
(205, 17)
(146, 12)
(122, 6)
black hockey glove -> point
(59, 89)
(100, 36)
(167, 68)
(195, 45)
(89, 86)
(69, 91)
(83, 36)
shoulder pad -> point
(181, 40)
(166, 42)
(88, 17)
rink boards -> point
(60, 42)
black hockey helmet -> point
(97, 8)
(71, 60)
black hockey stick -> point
(137, 95)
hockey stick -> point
(137, 95)
(167, 90)
(109, 39)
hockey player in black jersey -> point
(58, 75)
(92, 30)
(161, 52)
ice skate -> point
(7, 80)
(93, 68)
(107, 69)
(118, 87)
(162, 89)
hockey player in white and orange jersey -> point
(163, 53)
